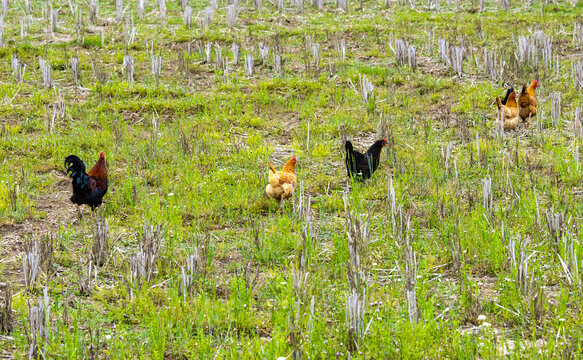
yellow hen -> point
(281, 183)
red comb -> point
(102, 155)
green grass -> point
(201, 177)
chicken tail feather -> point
(74, 165)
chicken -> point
(508, 92)
(510, 116)
(361, 166)
(281, 183)
(527, 101)
(88, 188)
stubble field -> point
(464, 244)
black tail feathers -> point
(74, 164)
(348, 146)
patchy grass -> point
(235, 276)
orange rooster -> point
(527, 102)
(281, 183)
(510, 116)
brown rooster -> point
(527, 102)
(281, 183)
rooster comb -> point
(102, 155)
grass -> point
(188, 152)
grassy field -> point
(464, 244)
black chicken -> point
(362, 166)
(88, 188)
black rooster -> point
(362, 166)
(88, 188)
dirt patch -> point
(52, 212)
(47, 37)
(488, 288)
(430, 66)
(287, 122)
(441, 113)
